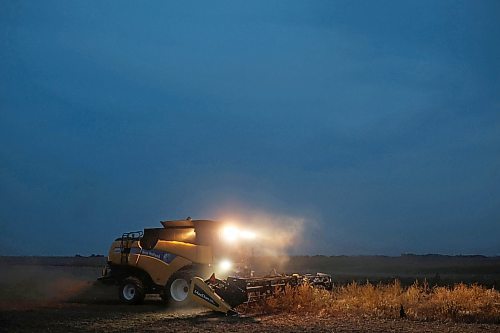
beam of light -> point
(225, 265)
(230, 234)
(247, 234)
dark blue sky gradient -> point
(377, 122)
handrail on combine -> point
(126, 243)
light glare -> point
(230, 234)
(247, 234)
(225, 265)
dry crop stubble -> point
(458, 303)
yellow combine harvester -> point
(172, 260)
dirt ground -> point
(152, 317)
(67, 299)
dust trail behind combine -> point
(26, 286)
(66, 284)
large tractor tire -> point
(177, 289)
(131, 290)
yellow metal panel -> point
(204, 254)
(160, 271)
(201, 293)
(196, 253)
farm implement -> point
(172, 261)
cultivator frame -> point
(225, 295)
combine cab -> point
(175, 262)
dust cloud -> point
(276, 237)
(24, 286)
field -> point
(436, 269)
(59, 295)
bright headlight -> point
(225, 265)
(231, 234)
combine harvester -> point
(172, 261)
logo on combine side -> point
(161, 255)
(201, 294)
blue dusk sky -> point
(375, 125)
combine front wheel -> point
(177, 289)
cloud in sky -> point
(379, 121)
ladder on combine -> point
(126, 241)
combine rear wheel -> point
(177, 289)
(131, 290)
